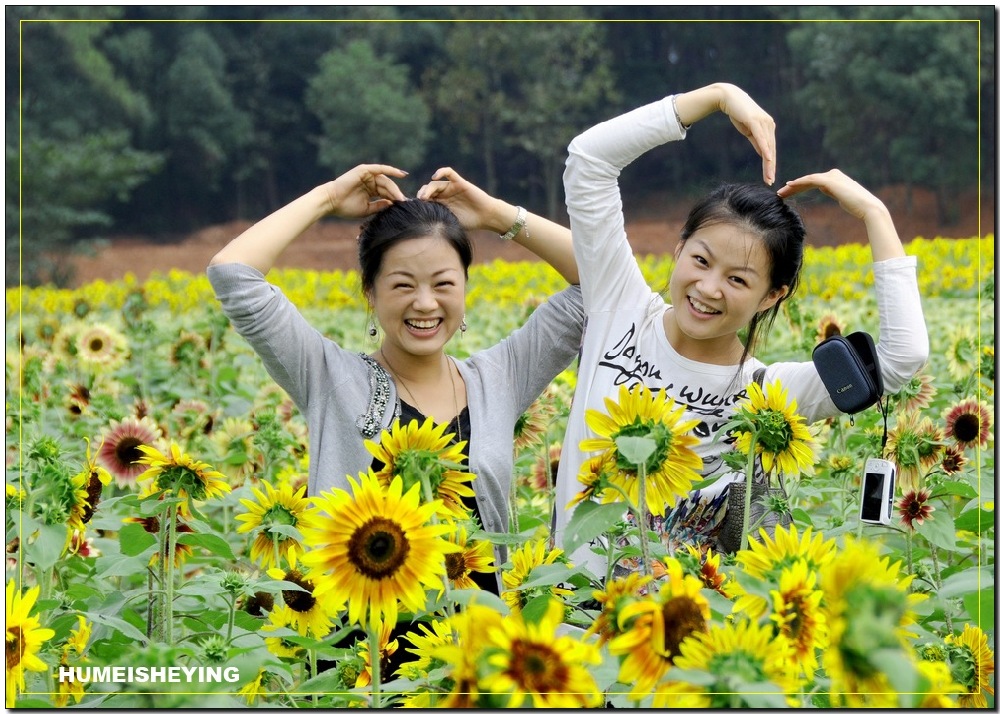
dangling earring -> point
(372, 330)
(463, 327)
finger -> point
(385, 169)
(387, 188)
(762, 138)
(446, 173)
(376, 206)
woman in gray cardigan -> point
(414, 258)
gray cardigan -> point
(336, 390)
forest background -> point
(158, 122)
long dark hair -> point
(764, 213)
(405, 220)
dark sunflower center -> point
(96, 344)
(537, 668)
(379, 548)
(966, 427)
(127, 450)
(454, 563)
(14, 648)
(296, 599)
(681, 617)
(794, 623)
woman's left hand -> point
(474, 208)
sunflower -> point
(595, 474)
(766, 559)
(274, 507)
(75, 645)
(89, 483)
(308, 613)
(913, 507)
(120, 444)
(737, 656)
(522, 562)
(972, 665)
(680, 695)
(939, 685)
(969, 423)
(532, 424)
(238, 454)
(188, 350)
(782, 437)
(544, 469)
(902, 447)
(280, 618)
(101, 348)
(193, 416)
(828, 326)
(418, 451)
(462, 644)
(378, 548)
(532, 663)
(917, 393)
(654, 628)
(254, 688)
(798, 616)
(77, 399)
(477, 557)
(617, 594)
(386, 649)
(988, 366)
(180, 474)
(963, 354)
(954, 460)
(24, 639)
(672, 467)
(868, 611)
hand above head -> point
(745, 114)
(364, 190)
(859, 202)
(474, 208)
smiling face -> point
(721, 279)
(419, 296)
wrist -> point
(518, 225)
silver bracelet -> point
(522, 216)
(677, 116)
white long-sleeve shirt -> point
(625, 342)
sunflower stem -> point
(748, 495)
(909, 552)
(641, 517)
(161, 571)
(375, 656)
(515, 518)
(171, 548)
(937, 583)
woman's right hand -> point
(474, 208)
(364, 190)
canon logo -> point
(844, 389)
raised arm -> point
(477, 210)
(363, 190)
(860, 203)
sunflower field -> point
(156, 519)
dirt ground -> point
(331, 245)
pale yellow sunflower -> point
(917, 393)
(414, 451)
(475, 557)
(101, 348)
(962, 352)
(180, 474)
(783, 439)
(239, 457)
(522, 562)
(654, 627)
(535, 666)
(308, 613)
(25, 636)
(828, 326)
(974, 660)
(532, 424)
(377, 548)
(275, 507)
(737, 656)
(670, 470)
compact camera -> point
(878, 487)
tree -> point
(896, 98)
(366, 112)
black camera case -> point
(848, 366)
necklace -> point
(454, 390)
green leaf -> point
(940, 530)
(589, 521)
(133, 539)
(801, 517)
(975, 520)
(981, 607)
(480, 597)
(45, 550)
(210, 542)
(112, 565)
(535, 609)
(288, 531)
(966, 581)
(637, 449)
